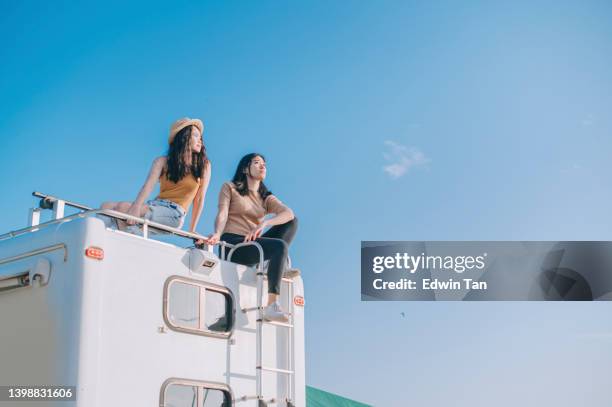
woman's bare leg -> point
(108, 205)
(123, 206)
(111, 206)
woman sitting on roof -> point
(243, 205)
(183, 174)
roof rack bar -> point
(112, 214)
(42, 225)
(48, 200)
(57, 205)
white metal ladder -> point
(260, 321)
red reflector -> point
(298, 300)
(94, 253)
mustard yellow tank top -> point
(181, 192)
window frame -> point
(200, 384)
(203, 286)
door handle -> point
(37, 274)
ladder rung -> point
(273, 369)
(251, 309)
(286, 325)
(246, 398)
(284, 280)
(258, 308)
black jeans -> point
(275, 243)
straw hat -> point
(180, 124)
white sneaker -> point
(291, 273)
(273, 312)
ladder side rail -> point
(259, 328)
(290, 339)
(234, 247)
(289, 372)
(259, 325)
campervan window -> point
(184, 305)
(197, 307)
(181, 395)
(188, 393)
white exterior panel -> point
(99, 324)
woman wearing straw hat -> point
(183, 174)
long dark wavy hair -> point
(240, 177)
(177, 166)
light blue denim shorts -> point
(165, 212)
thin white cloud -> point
(401, 158)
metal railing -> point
(58, 205)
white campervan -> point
(133, 321)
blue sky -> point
(380, 121)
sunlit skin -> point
(196, 140)
(255, 174)
(138, 208)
